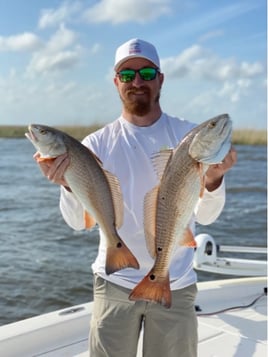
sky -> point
(56, 58)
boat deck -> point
(234, 332)
(232, 322)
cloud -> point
(215, 16)
(113, 11)
(182, 64)
(52, 62)
(62, 38)
(96, 48)
(213, 82)
(25, 42)
(60, 53)
(234, 90)
(200, 63)
(64, 14)
(211, 35)
(120, 11)
(60, 89)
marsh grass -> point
(78, 132)
(240, 137)
(7, 131)
(249, 137)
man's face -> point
(139, 96)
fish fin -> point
(95, 156)
(89, 220)
(46, 159)
(188, 239)
(160, 160)
(117, 198)
(119, 257)
(153, 289)
(149, 207)
(202, 179)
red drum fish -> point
(168, 208)
(97, 189)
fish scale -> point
(79, 176)
(170, 222)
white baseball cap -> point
(136, 48)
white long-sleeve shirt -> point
(126, 150)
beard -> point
(139, 105)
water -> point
(45, 265)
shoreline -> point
(240, 136)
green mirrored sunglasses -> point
(146, 74)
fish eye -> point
(42, 131)
(212, 124)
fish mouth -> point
(227, 128)
(30, 135)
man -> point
(125, 147)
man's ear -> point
(116, 81)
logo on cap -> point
(134, 48)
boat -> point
(232, 321)
(232, 313)
(206, 258)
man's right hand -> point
(54, 169)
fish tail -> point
(119, 257)
(153, 289)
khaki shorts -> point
(116, 324)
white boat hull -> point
(206, 259)
(239, 333)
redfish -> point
(97, 190)
(168, 208)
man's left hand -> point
(215, 173)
